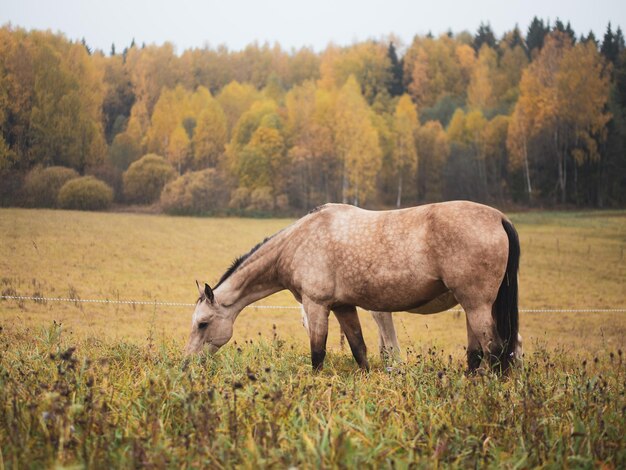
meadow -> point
(107, 385)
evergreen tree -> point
(517, 39)
(536, 34)
(567, 29)
(570, 31)
(609, 48)
(619, 40)
(87, 48)
(395, 84)
(589, 38)
(484, 35)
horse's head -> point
(210, 323)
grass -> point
(107, 386)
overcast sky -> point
(292, 23)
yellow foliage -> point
(357, 143)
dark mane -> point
(238, 262)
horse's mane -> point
(236, 264)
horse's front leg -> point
(317, 316)
(349, 321)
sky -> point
(292, 23)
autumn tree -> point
(65, 118)
(262, 162)
(210, 136)
(570, 127)
(481, 93)
(436, 68)
(235, 99)
(367, 62)
(357, 144)
(309, 129)
(433, 150)
(405, 127)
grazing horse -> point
(424, 260)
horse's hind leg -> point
(349, 321)
(387, 338)
(317, 316)
(474, 349)
(483, 328)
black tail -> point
(505, 307)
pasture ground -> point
(126, 397)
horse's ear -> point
(200, 291)
(208, 292)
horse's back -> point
(410, 256)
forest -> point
(535, 118)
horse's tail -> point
(505, 307)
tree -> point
(262, 161)
(612, 44)
(536, 34)
(484, 35)
(118, 98)
(495, 156)
(367, 62)
(570, 127)
(357, 144)
(395, 85)
(434, 68)
(405, 127)
(518, 137)
(210, 136)
(433, 151)
(565, 29)
(65, 118)
(235, 99)
(480, 93)
(178, 148)
(309, 131)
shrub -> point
(195, 193)
(42, 185)
(145, 178)
(86, 193)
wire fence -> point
(262, 307)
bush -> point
(195, 193)
(42, 185)
(86, 193)
(145, 178)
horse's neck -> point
(254, 280)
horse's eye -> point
(202, 325)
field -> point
(107, 385)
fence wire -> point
(267, 307)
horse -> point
(423, 259)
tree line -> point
(535, 119)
